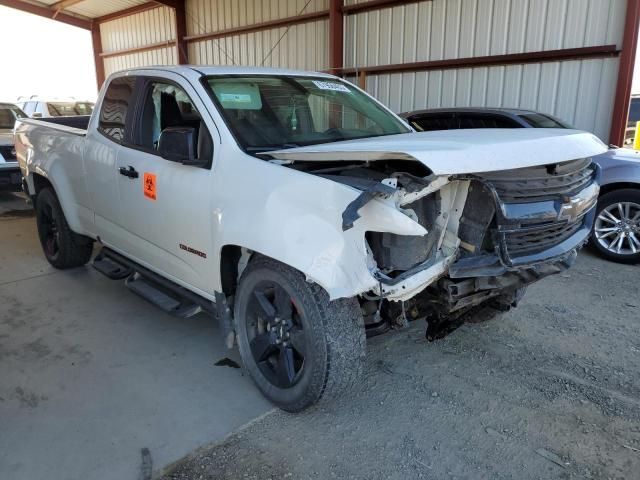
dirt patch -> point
(550, 390)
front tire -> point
(61, 246)
(297, 345)
(616, 231)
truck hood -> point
(452, 152)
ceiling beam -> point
(143, 7)
(171, 3)
(46, 12)
(62, 4)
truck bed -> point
(74, 124)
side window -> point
(29, 108)
(480, 120)
(40, 108)
(115, 105)
(430, 123)
(168, 106)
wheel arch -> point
(611, 187)
(235, 258)
(62, 192)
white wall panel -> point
(579, 92)
(301, 47)
(139, 30)
(206, 16)
(159, 56)
(445, 29)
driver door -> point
(165, 205)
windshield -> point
(65, 109)
(538, 120)
(273, 112)
(8, 116)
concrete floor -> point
(91, 374)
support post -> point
(336, 35)
(181, 33)
(622, 99)
(97, 50)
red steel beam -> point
(336, 35)
(143, 7)
(622, 99)
(46, 12)
(256, 27)
(97, 52)
(491, 60)
(143, 48)
(181, 32)
(375, 5)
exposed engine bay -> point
(488, 235)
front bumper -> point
(10, 178)
(530, 234)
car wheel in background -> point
(62, 247)
(297, 345)
(616, 231)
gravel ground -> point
(549, 390)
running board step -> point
(111, 268)
(161, 297)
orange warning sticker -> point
(150, 185)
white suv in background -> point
(39, 108)
(10, 176)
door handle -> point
(128, 172)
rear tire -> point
(297, 345)
(62, 247)
(606, 231)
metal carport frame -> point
(336, 13)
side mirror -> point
(36, 115)
(178, 145)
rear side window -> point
(115, 106)
(538, 120)
(430, 123)
(458, 121)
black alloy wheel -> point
(298, 346)
(276, 335)
(48, 231)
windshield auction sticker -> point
(150, 186)
(335, 86)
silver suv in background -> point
(616, 232)
(10, 176)
(39, 108)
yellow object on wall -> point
(636, 138)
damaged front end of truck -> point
(485, 237)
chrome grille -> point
(540, 183)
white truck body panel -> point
(262, 206)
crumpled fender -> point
(296, 218)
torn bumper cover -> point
(531, 238)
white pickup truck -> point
(301, 212)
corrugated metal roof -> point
(95, 8)
(98, 8)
